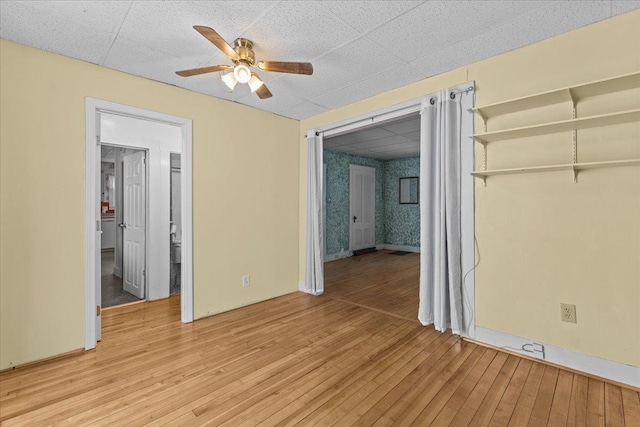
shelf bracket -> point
(574, 136)
(484, 161)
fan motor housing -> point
(244, 49)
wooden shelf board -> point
(568, 166)
(561, 126)
(598, 87)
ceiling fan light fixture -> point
(255, 83)
(242, 73)
(230, 80)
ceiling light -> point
(229, 79)
(255, 83)
(241, 73)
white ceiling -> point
(391, 140)
(358, 48)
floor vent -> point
(364, 251)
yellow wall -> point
(245, 195)
(544, 240)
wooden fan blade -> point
(217, 40)
(203, 70)
(263, 92)
(286, 67)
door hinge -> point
(98, 310)
(144, 273)
(97, 139)
(97, 225)
(144, 160)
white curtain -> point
(440, 216)
(314, 273)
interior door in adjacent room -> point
(134, 223)
(362, 194)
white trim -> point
(92, 107)
(372, 119)
(583, 362)
(399, 110)
(90, 227)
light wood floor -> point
(299, 360)
(380, 281)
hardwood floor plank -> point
(358, 357)
(466, 411)
(526, 400)
(544, 398)
(614, 411)
(578, 405)
(561, 399)
(595, 404)
(443, 409)
(510, 397)
(494, 395)
(631, 404)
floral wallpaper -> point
(337, 198)
(402, 222)
(395, 224)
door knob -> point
(122, 225)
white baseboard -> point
(587, 363)
(389, 247)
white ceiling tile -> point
(436, 24)
(364, 16)
(407, 145)
(369, 135)
(555, 18)
(100, 15)
(24, 23)
(414, 136)
(624, 6)
(297, 31)
(404, 127)
(382, 142)
(128, 56)
(153, 39)
(386, 80)
(346, 65)
(304, 110)
(279, 102)
(168, 25)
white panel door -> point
(134, 218)
(362, 201)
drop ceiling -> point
(395, 139)
(358, 48)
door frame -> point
(367, 169)
(412, 106)
(93, 107)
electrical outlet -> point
(246, 281)
(568, 313)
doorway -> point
(158, 136)
(316, 239)
(122, 224)
(362, 203)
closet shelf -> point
(569, 166)
(566, 94)
(561, 126)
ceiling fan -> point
(243, 57)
